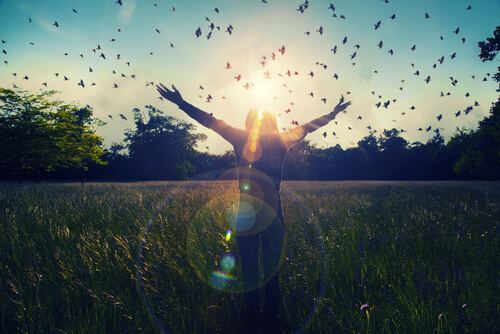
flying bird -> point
(122, 116)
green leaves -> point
(40, 134)
(490, 48)
(161, 146)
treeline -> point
(56, 141)
(158, 154)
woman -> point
(260, 154)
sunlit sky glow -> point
(259, 30)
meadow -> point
(360, 257)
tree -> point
(297, 163)
(161, 147)
(480, 149)
(40, 134)
(461, 142)
(490, 49)
(391, 160)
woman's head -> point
(261, 121)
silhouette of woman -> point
(260, 154)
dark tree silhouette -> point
(161, 147)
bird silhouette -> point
(122, 116)
(198, 32)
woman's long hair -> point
(261, 121)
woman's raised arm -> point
(300, 132)
(207, 120)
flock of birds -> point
(211, 28)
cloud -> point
(126, 12)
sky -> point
(421, 61)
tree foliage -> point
(161, 147)
(480, 149)
(40, 134)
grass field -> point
(140, 258)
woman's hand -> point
(341, 106)
(173, 96)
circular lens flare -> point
(213, 251)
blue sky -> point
(260, 30)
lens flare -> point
(213, 252)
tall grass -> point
(129, 258)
